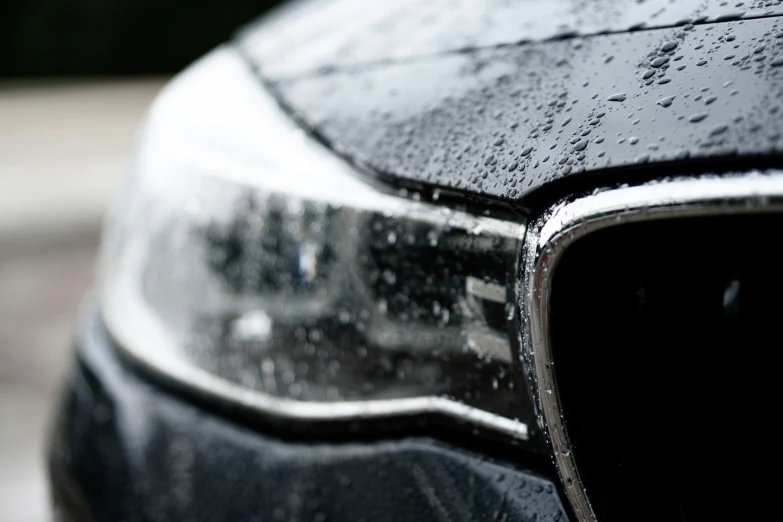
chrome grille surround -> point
(568, 220)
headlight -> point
(248, 263)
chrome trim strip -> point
(568, 221)
(489, 291)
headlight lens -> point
(248, 262)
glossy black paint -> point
(310, 35)
(124, 449)
(504, 122)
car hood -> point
(503, 100)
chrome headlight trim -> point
(565, 222)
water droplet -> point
(526, 151)
(696, 118)
(657, 62)
(633, 140)
(710, 99)
(720, 129)
(777, 62)
(701, 62)
(566, 122)
(648, 74)
(665, 102)
(663, 81)
(669, 46)
(733, 15)
(759, 49)
(580, 145)
(617, 97)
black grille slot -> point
(666, 338)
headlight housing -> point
(248, 263)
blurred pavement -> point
(63, 150)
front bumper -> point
(124, 449)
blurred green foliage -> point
(115, 37)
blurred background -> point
(76, 77)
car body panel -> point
(315, 35)
(504, 122)
(125, 449)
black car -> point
(445, 261)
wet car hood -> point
(502, 99)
